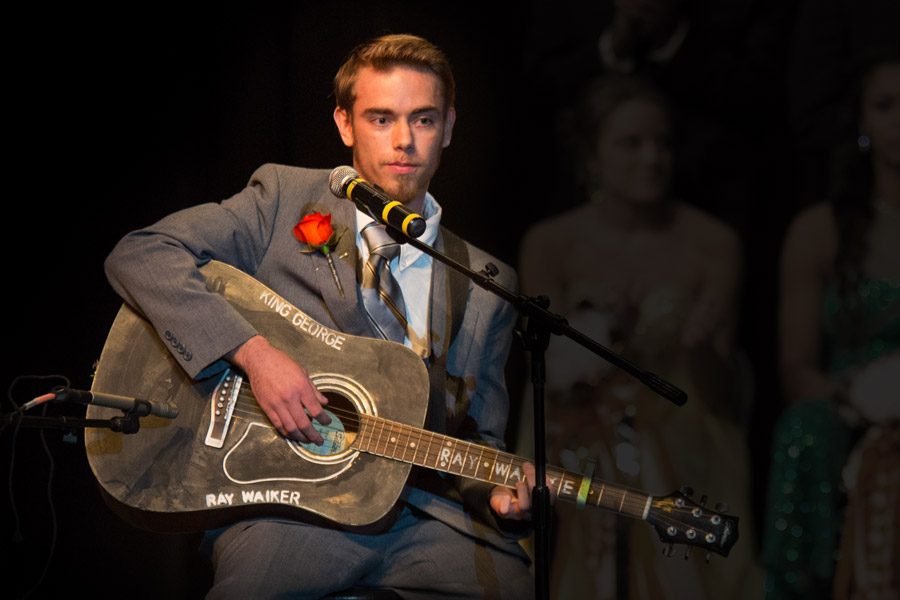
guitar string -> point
(352, 417)
(410, 432)
(402, 429)
(633, 504)
(398, 429)
(636, 501)
(636, 504)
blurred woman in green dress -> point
(833, 507)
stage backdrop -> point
(115, 120)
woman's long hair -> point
(852, 200)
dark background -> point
(117, 121)
(114, 121)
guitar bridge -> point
(221, 407)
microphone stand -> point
(129, 422)
(535, 339)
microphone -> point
(126, 403)
(345, 182)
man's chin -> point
(405, 192)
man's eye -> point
(426, 121)
(380, 120)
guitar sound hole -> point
(340, 434)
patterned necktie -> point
(380, 291)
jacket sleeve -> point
(155, 270)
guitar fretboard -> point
(412, 445)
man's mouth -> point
(401, 168)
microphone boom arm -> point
(533, 309)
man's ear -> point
(448, 126)
(344, 124)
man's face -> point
(397, 129)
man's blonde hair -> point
(386, 52)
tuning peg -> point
(668, 550)
(687, 552)
(721, 507)
(687, 490)
(707, 557)
(703, 500)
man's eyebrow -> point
(425, 109)
(387, 111)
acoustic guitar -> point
(221, 460)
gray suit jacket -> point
(155, 270)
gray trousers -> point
(419, 557)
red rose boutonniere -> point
(316, 232)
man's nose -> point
(402, 136)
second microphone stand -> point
(129, 422)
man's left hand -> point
(514, 503)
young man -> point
(451, 537)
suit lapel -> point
(449, 292)
(441, 309)
(346, 310)
(439, 338)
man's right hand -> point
(282, 389)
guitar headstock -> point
(680, 520)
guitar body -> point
(220, 459)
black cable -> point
(17, 531)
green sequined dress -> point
(806, 500)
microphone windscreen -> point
(339, 178)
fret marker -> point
(647, 507)
(585, 487)
(502, 470)
(583, 490)
(412, 444)
(393, 440)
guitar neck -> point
(412, 445)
